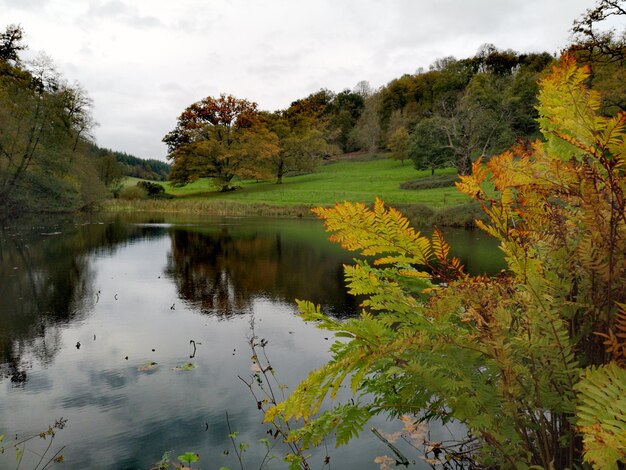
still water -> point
(85, 305)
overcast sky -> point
(144, 61)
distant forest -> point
(148, 169)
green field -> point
(340, 181)
(130, 181)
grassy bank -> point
(358, 181)
(355, 181)
(462, 215)
(208, 206)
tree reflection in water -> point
(223, 271)
(46, 281)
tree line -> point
(129, 165)
(446, 116)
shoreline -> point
(462, 215)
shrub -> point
(430, 182)
(152, 189)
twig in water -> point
(401, 458)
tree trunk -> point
(280, 171)
(464, 165)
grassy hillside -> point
(356, 181)
(344, 180)
(129, 181)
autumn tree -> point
(311, 111)
(219, 138)
(301, 148)
(44, 122)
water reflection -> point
(47, 282)
(222, 271)
(133, 289)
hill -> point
(148, 169)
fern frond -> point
(601, 414)
(383, 289)
(346, 420)
(567, 110)
(615, 338)
(381, 231)
(471, 184)
(441, 249)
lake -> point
(87, 306)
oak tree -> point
(219, 138)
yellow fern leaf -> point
(376, 232)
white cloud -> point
(144, 61)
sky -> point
(144, 61)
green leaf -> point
(185, 367)
(343, 334)
(294, 461)
(189, 457)
(600, 414)
(243, 446)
